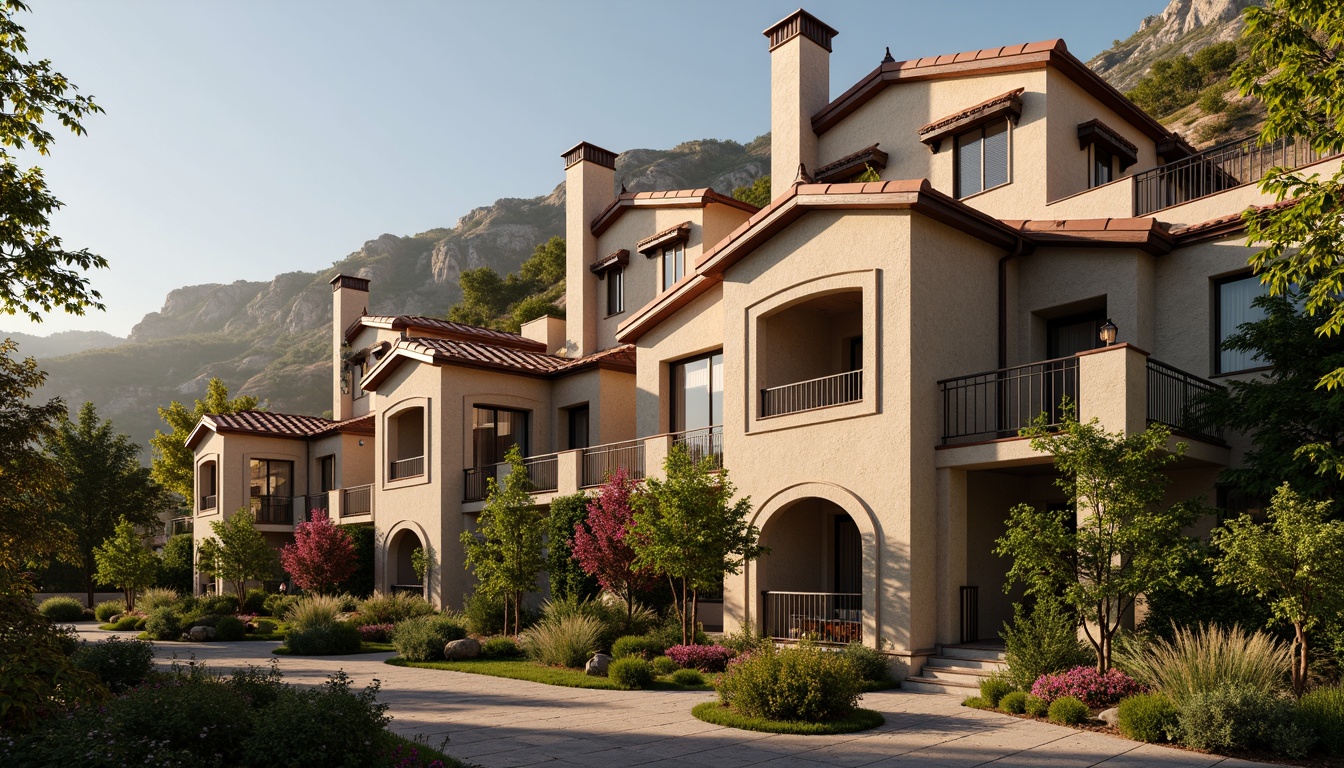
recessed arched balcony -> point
(812, 354)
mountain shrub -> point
(62, 609)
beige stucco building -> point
(860, 356)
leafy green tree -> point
(125, 562)
(1123, 544)
(505, 303)
(37, 273)
(104, 484)
(567, 578)
(1296, 426)
(1295, 563)
(689, 527)
(172, 465)
(546, 266)
(505, 551)
(237, 553)
(1295, 67)
(1175, 82)
(756, 193)
(175, 564)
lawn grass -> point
(363, 648)
(716, 713)
(424, 753)
(525, 669)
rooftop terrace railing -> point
(1216, 169)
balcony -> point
(602, 461)
(357, 501)
(1215, 170)
(823, 392)
(179, 525)
(998, 404)
(542, 476)
(702, 444)
(825, 617)
(209, 503)
(317, 502)
(1181, 401)
(404, 468)
(273, 510)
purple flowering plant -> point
(1096, 690)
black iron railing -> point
(826, 617)
(995, 404)
(412, 467)
(809, 395)
(317, 502)
(1182, 401)
(702, 444)
(599, 462)
(273, 510)
(1216, 169)
(357, 501)
(474, 483)
(970, 614)
(543, 472)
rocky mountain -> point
(272, 339)
(63, 343)
(1184, 27)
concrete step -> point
(988, 653)
(987, 665)
(955, 674)
(923, 684)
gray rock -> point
(1109, 716)
(459, 650)
(597, 666)
(201, 634)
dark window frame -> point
(323, 463)
(672, 415)
(1216, 323)
(1094, 175)
(956, 157)
(678, 264)
(270, 477)
(615, 278)
(526, 432)
(571, 415)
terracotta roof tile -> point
(271, 423)
(869, 155)
(666, 234)
(676, 198)
(413, 323)
(1229, 224)
(972, 111)
(504, 358)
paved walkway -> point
(493, 723)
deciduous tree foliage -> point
(689, 527)
(756, 193)
(603, 543)
(505, 551)
(566, 576)
(125, 562)
(176, 564)
(1295, 563)
(237, 553)
(173, 463)
(1296, 68)
(104, 484)
(321, 556)
(505, 303)
(1125, 542)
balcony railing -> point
(1181, 401)
(209, 502)
(827, 617)
(601, 461)
(1216, 169)
(412, 467)
(474, 485)
(357, 501)
(543, 472)
(273, 510)
(179, 525)
(702, 444)
(995, 404)
(809, 395)
(319, 502)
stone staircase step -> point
(934, 685)
(955, 674)
(987, 653)
(987, 665)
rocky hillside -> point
(63, 343)
(272, 339)
(1182, 29)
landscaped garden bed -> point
(526, 669)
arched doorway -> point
(401, 576)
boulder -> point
(201, 634)
(597, 666)
(1109, 716)
(459, 650)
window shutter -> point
(968, 164)
(996, 154)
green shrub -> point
(745, 640)
(106, 610)
(127, 623)
(631, 673)
(423, 638)
(869, 663)
(637, 645)
(975, 702)
(230, 628)
(1148, 717)
(994, 688)
(155, 598)
(564, 642)
(610, 614)
(686, 677)
(349, 726)
(259, 685)
(668, 633)
(255, 602)
(501, 648)
(164, 624)
(1042, 641)
(208, 620)
(1198, 661)
(120, 664)
(1036, 706)
(338, 637)
(62, 609)
(278, 605)
(484, 614)
(264, 627)
(1068, 710)
(662, 665)
(1014, 702)
(1235, 717)
(803, 683)
(313, 611)
(1211, 100)
(1322, 712)
(67, 639)
(221, 605)
(393, 608)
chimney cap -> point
(590, 152)
(349, 281)
(888, 58)
(800, 22)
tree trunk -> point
(129, 595)
(1299, 660)
(88, 582)
(695, 612)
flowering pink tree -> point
(602, 542)
(321, 556)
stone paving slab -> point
(497, 723)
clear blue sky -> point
(246, 139)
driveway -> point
(493, 723)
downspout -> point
(1003, 299)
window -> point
(271, 488)
(981, 159)
(208, 479)
(697, 393)
(1103, 164)
(578, 427)
(494, 431)
(356, 373)
(326, 473)
(615, 291)
(674, 264)
(1233, 299)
